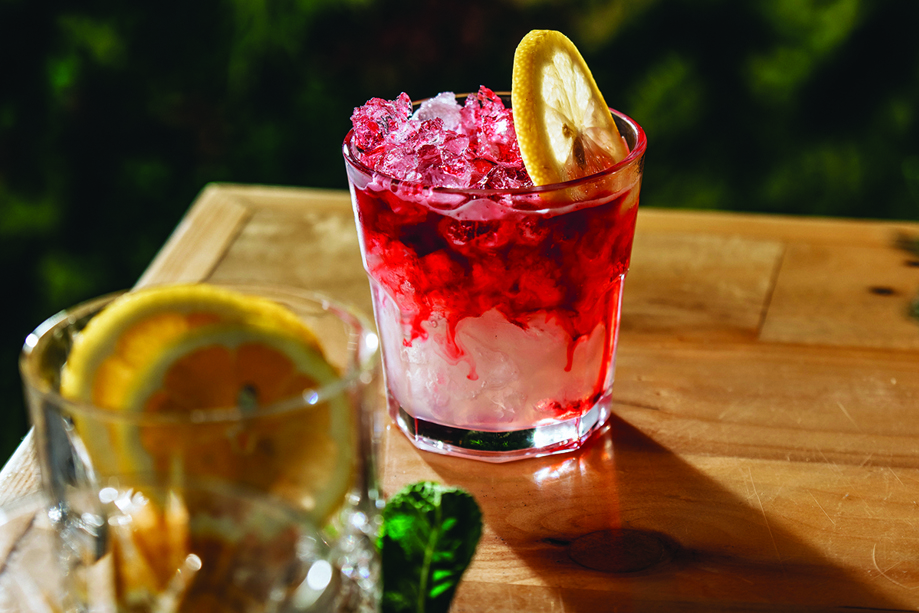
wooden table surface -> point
(764, 449)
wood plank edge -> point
(20, 476)
(805, 229)
(213, 221)
(260, 196)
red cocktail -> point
(497, 302)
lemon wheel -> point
(563, 124)
(203, 381)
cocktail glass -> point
(498, 310)
(83, 449)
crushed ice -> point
(443, 144)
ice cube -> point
(443, 143)
(443, 106)
(377, 118)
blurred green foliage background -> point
(114, 115)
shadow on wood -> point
(626, 525)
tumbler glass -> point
(498, 310)
(85, 450)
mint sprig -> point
(430, 532)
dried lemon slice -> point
(563, 124)
(171, 361)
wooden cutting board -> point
(764, 452)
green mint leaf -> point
(430, 532)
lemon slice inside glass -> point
(197, 374)
(131, 331)
(563, 124)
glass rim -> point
(358, 368)
(635, 154)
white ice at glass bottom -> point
(509, 378)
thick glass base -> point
(502, 446)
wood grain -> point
(200, 239)
(699, 285)
(300, 247)
(861, 300)
(764, 453)
(20, 475)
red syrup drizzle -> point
(567, 266)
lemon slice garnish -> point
(182, 351)
(124, 337)
(564, 127)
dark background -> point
(114, 115)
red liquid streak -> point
(567, 266)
